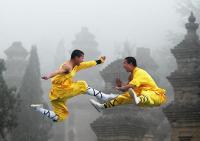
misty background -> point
(46, 22)
(50, 24)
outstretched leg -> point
(81, 87)
(147, 98)
(50, 114)
(119, 100)
(100, 95)
(59, 113)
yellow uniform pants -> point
(59, 96)
(148, 99)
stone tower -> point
(184, 113)
(15, 64)
(78, 106)
(86, 42)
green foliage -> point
(32, 126)
(8, 106)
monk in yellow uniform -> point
(140, 90)
(64, 87)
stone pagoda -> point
(85, 41)
(78, 106)
(15, 64)
(184, 112)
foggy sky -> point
(45, 22)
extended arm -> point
(88, 64)
(64, 69)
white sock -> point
(49, 114)
(100, 95)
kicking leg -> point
(98, 106)
(59, 113)
(147, 98)
(100, 95)
(60, 108)
(50, 114)
(81, 87)
(120, 100)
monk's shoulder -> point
(141, 71)
(67, 66)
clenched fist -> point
(103, 58)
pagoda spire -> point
(191, 27)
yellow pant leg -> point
(59, 96)
(120, 100)
(79, 87)
(60, 108)
(75, 88)
(150, 98)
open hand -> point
(118, 82)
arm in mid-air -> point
(135, 82)
(119, 83)
(64, 69)
(88, 64)
(125, 88)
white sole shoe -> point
(99, 107)
(136, 100)
(35, 106)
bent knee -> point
(82, 82)
(150, 102)
(163, 100)
(82, 85)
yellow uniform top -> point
(66, 79)
(143, 81)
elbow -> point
(131, 87)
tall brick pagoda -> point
(85, 41)
(15, 64)
(184, 113)
(78, 106)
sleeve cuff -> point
(98, 62)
